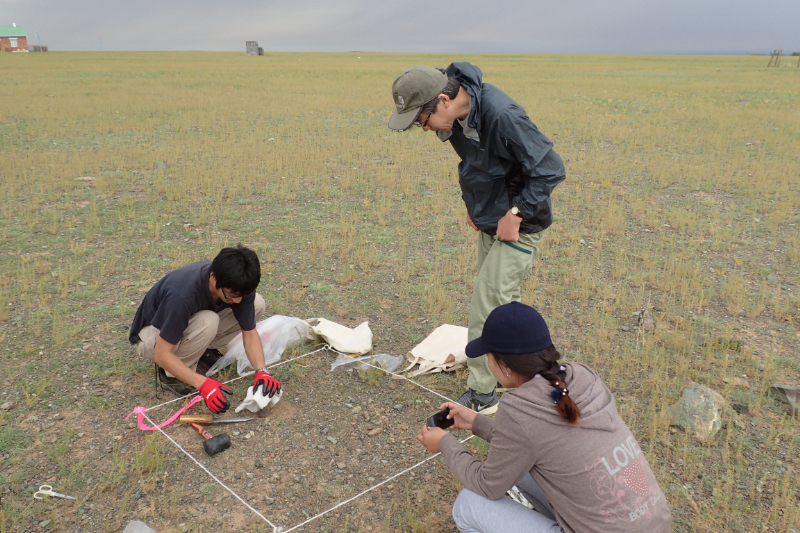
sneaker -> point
(485, 404)
(210, 357)
(172, 385)
(207, 360)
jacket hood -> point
(471, 79)
(595, 401)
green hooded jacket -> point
(512, 165)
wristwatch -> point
(515, 211)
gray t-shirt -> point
(171, 302)
(595, 477)
(469, 133)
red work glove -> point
(271, 385)
(212, 393)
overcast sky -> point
(471, 26)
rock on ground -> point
(647, 321)
(698, 412)
(736, 382)
(788, 394)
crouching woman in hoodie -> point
(557, 437)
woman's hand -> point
(462, 416)
(430, 437)
(462, 419)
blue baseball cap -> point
(513, 328)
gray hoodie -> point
(595, 477)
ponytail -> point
(566, 407)
(544, 363)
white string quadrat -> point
(277, 529)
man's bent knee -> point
(146, 346)
(260, 305)
(203, 324)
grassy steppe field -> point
(682, 196)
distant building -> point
(253, 49)
(13, 39)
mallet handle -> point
(200, 429)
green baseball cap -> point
(411, 90)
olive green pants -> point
(501, 267)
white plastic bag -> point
(277, 333)
(383, 360)
(342, 338)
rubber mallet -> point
(213, 445)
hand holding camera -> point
(452, 416)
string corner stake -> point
(140, 414)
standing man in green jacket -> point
(508, 170)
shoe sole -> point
(489, 410)
(179, 394)
(201, 368)
(210, 360)
(184, 390)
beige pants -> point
(206, 329)
(501, 267)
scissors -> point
(47, 490)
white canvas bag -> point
(441, 351)
(342, 338)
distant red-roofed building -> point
(13, 38)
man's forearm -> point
(253, 348)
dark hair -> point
(545, 364)
(450, 90)
(237, 269)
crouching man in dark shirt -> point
(203, 305)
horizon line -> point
(737, 53)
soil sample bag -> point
(256, 402)
(277, 333)
(342, 338)
(441, 351)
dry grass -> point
(682, 194)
